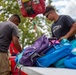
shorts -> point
(4, 64)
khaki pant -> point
(4, 64)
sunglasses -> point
(47, 14)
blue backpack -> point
(60, 62)
(70, 61)
(73, 43)
(57, 52)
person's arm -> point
(71, 32)
(16, 43)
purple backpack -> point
(34, 51)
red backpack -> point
(12, 49)
(31, 8)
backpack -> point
(34, 51)
(30, 8)
(70, 61)
(56, 52)
(12, 49)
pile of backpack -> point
(45, 52)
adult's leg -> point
(4, 64)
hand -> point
(63, 37)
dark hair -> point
(49, 8)
(15, 15)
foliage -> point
(27, 32)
